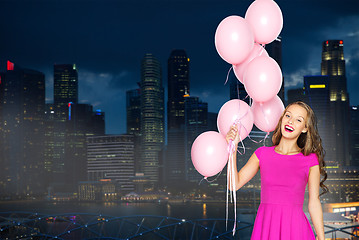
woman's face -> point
(294, 122)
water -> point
(188, 211)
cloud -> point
(295, 79)
(104, 91)
(353, 34)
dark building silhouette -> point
(133, 123)
(22, 109)
(317, 96)
(354, 123)
(178, 87)
(152, 117)
(178, 91)
(333, 65)
(196, 122)
(68, 124)
(297, 94)
(237, 91)
(133, 112)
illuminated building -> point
(111, 157)
(333, 65)
(178, 91)
(102, 190)
(178, 87)
(65, 84)
(343, 184)
(152, 117)
(22, 133)
(317, 96)
(68, 124)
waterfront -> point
(188, 213)
(176, 210)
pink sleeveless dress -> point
(284, 178)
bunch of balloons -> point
(240, 42)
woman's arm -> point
(314, 205)
(248, 171)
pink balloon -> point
(234, 39)
(266, 115)
(262, 79)
(235, 111)
(266, 20)
(209, 153)
(239, 69)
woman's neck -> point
(286, 146)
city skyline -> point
(108, 40)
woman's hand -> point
(233, 135)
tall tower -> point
(178, 90)
(22, 133)
(133, 111)
(65, 84)
(133, 116)
(178, 87)
(333, 65)
(68, 124)
(152, 116)
(317, 96)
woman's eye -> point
(299, 120)
(287, 115)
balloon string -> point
(210, 181)
(228, 75)
(263, 140)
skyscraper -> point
(317, 96)
(65, 84)
(68, 125)
(133, 112)
(178, 91)
(152, 116)
(333, 65)
(133, 123)
(22, 132)
(178, 87)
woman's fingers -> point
(232, 133)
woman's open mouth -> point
(288, 128)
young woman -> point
(295, 160)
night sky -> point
(108, 39)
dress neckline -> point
(285, 154)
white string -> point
(228, 75)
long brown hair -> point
(308, 142)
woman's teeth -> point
(289, 128)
